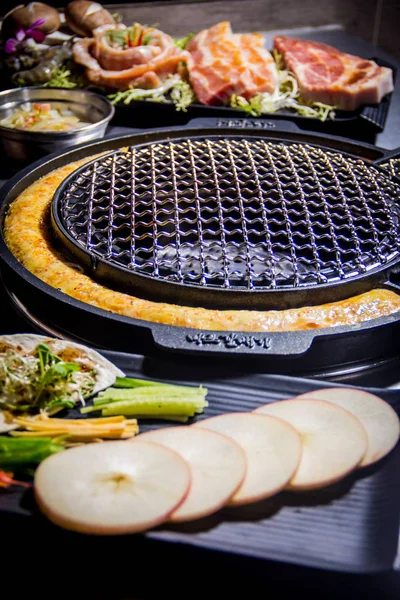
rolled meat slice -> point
(121, 57)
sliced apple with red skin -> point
(378, 418)
(112, 488)
(334, 440)
(272, 448)
(217, 462)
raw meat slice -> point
(223, 64)
(328, 75)
(260, 64)
(144, 65)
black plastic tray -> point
(366, 119)
(350, 527)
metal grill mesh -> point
(240, 213)
(392, 166)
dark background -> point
(375, 21)
(66, 567)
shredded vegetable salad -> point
(180, 93)
(42, 117)
(65, 78)
(42, 380)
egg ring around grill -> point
(27, 234)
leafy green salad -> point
(42, 380)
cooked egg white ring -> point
(27, 229)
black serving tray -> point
(351, 526)
(361, 123)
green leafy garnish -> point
(18, 452)
(182, 42)
(147, 39)
(129, 37)
(118, 37)
(59, 404)
(252, 107)
(53, 373)
(181, 93)
(65, 78)
(117, 17)
(42, 380)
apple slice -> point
(272, 448)
(111, 488)
(334, 441)
(378, 418)
(218, 466)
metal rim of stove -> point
(167, 337)
(350, 374)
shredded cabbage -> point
(181, 93)
(182, 42)
(287, 95)
(64, 78)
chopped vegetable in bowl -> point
(42, 117)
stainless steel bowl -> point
(26, 146)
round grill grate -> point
(392, 166)
(230, 213)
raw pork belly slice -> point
(223, 64)
(330, 76)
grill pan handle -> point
(235, 123)
(228, 343)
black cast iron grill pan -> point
(232, 222)
(300, 352)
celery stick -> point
(178, 418)
(168, 406)
(195, 402)
(180, 406)
(156, 393)
(128, 382)
(88, 409)
(126, 408)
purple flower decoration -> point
(21, 34)
(34, 33)
(11, 43)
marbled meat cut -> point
(113, 60)
(327, 75)
(223, 64)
